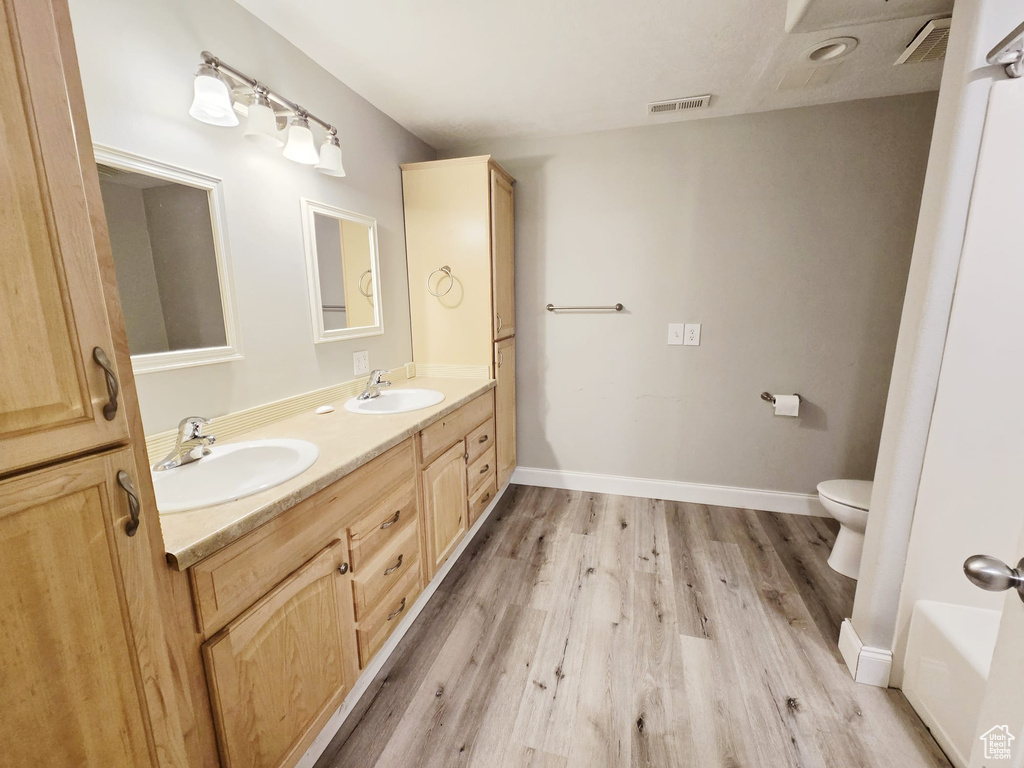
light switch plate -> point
(361, 363)
(691, 335)
(675, 334)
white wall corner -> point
(867, 665)
(672, 490)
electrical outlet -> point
(691, 335)
(675, 334)
(361, 363)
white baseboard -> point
(867, 665)
(672, 490)
(323, 739)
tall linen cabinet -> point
(460, 244)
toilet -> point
(847, 501)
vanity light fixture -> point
(212, 100)
(218, 85)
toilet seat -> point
(849, 493)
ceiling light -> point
(828, 51)
(212, 101)
(300, 146)
(330, 156)
(261, 123)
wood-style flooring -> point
(589, 630)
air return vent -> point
(678, 105)
(929, 44)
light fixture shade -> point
(212, 101)
(261, 124)
(300, 146)
(330, 157)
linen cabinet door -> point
(58, 383)
(278, 672)
(505, 408)
(76, 578)
(502, 255)
(446, 505)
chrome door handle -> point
(994, 575)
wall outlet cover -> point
(691, 335)
(675, 334)
(361, 363)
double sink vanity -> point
(296, 587)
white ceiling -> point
(456, 71)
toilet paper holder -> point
(768, 397)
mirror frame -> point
(323, 335)
(187, 358)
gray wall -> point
(786, 234)
(185, 261)
(133, 262)
(137, 61)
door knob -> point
(994, 575)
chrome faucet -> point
(190, 446)
(374, 385)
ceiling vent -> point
(929, 44)
(678, 105)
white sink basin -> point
(231, 472)
(396, 401)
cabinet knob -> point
(343, 569)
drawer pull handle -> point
(343, 569)
(400, 609)
(392, 521)
(485, 468)
(395, 567)
(125, 481)
(110, 408)
(484, 439)
(485, 499)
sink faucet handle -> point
(191, 428)
(375, 377)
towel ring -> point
(359, 284)
(451, 281)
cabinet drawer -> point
(481, 471)
(373, 631)
(444, 433)
(479, 440)
(479, 501)
(387, 521)
(232, 579)
(370, 582)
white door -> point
(994, 228)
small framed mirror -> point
(170, 249)
(344, 272)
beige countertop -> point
(346, 442)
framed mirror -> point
(344, 273)
(170, 249)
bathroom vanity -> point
(227, 635)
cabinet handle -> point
(392, 521)
(484, 439)
(486, 498)
(400, 609)
(484, 470)
(395, 567)
(343, 569)
(499, 322)
(501, 358)
(110, 409)
(125, 481)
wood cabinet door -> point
(54, 394)
(445, 504)
(74, 680)
(278, 672)
(503, 255)
(505, 408)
